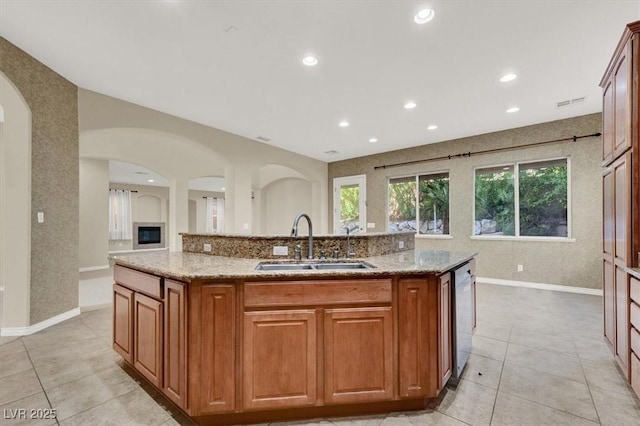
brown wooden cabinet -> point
(358, 351)
(621, 192)
(445, 361)
(280, 366)
(418, 338)
(234, 349)
(213, 347)
(147, 338)
(123, 322)
(175, 343)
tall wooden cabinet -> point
(621, 190)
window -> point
(431, 193)
(214, 215)
(523, 199)
(119, 214)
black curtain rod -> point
(114, 189)
(486, 151)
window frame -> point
(516, 199)
(416, 177)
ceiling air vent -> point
(263, 139)
(331, 152)
(570, 102)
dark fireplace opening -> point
(149, 235)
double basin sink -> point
(311, 266)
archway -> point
(15, 207)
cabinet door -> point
(418, 338)
(609, 303)
(358, 345)
(175, 343)
(217, 349)
(608, 122)
(123, 322)
(280, 352)
(622, 319)
(147, 352)
(622, 127)
(608, 249)
(445, 361)
(622, 208)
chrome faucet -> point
(294, 231)
(349, 253)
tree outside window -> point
(540, 209)
(430, 193)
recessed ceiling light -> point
(223, 188)
(513, 109)
(508, 77)
(343, 123)
(373, 140)
(310, 60)
(150, 180)
(423, 16)
(410, 105)
(432, 127)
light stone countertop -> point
(195, 266)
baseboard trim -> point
(25, 331)
(541, 286)
(89, 308)
(93, 268)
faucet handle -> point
(323, 254)
(336, 253)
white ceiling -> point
(236, 65)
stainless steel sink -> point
(283, 266)
(343, 265)
(286, 266)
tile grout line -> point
(495, 401)
(595, 407)
(35, 371)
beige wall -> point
(575, 263)
(94, 213)
(281, 201)
(181, 150)
(53, 102)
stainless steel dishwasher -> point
(461, 321)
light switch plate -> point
(280, 250)
(371, 225)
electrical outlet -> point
(371, 225)
(520, 268)
(40, 217)
(400, 244)
(207, 247)
(280, 250)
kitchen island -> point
(227, 343)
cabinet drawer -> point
(635, 341)
(635, 374)
(138, 281)
(334, 292)
(634, 289)
(635, 315)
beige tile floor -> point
(538, 358)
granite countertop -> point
(302, 235)
(195, 266)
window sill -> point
(434, 237)
(510, 238)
